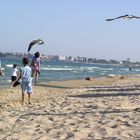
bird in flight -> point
(38, 42)
(124, 17)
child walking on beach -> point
(14, 73)
(1, 73)
(25, 76)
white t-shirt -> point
(14, 71)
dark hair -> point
(25, 61)
(14, 65)
(37, 54)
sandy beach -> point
(100, 109)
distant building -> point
(114, 62)
(126, 62)
(102, 61)
(53, 57)
(91, 60)
(83, 59)
(62, 57)
(70, 58)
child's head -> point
(25, 61)
(15, 65)
(37, 54)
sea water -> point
(63, 70)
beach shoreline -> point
(7, 85)
(103, 108)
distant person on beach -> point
(14, 73)
(1, 72)
(25, 76)
(35, 65)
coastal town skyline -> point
(81, 59)
(76, 28)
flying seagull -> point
(124, 17)
(38, 42)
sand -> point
(100, 109)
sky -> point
(71, 27)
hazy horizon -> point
(67, 56)
(71, 28)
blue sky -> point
(71, 27)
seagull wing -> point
(122, 16)
(38, 41)
(31, 44)
(116, 18)
(110, 19)
(136, 17)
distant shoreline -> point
(42, 82)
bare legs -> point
(29, 98)
(22, 101)
(36, 77)
(29, 95)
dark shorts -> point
(13, 78)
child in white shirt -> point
(14, 73)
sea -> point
(63, 70)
